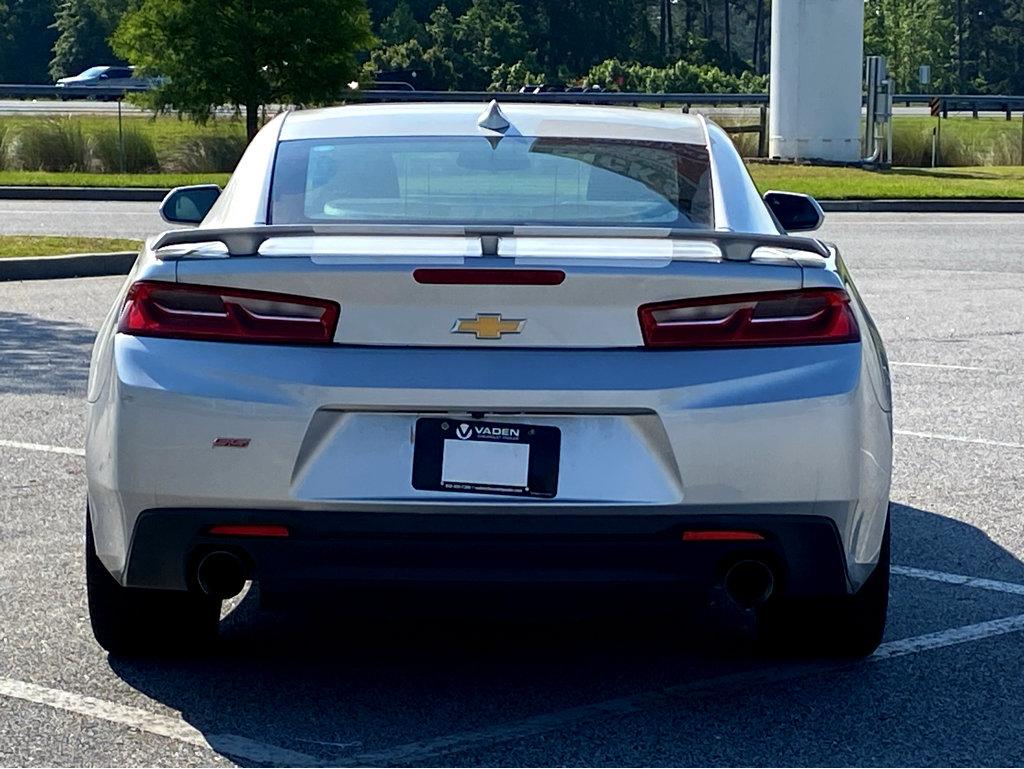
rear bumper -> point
(645, 435)
(326, 550)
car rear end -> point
(444, 375)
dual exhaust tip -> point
(749, 583)
(220, 574)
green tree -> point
(910, 33)
(489, 34)
(83, 28)
(246, 53)
(26, 37)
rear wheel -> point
(850, 626)
(137, 622)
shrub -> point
(52, 145)
(5, 146)
(139, 152)
(512, 77)
(207, 154)
(680, 77)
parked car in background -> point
(109, 77)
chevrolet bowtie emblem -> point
(488, 326)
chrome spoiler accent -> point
(246, 241)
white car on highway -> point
(435, 344)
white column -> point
(816, 61)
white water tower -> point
(817, 55)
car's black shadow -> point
(40, 356)
(332, 684)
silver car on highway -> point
(427, 345)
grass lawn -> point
(80, 179)
(166, 131)
(51, 245)
(852, 183)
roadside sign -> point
(924, 74)
(936, 106)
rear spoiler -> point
(246, 241)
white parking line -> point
(947, 366)
(428, 751)
(42, 447)
(959, 579)
(959, 439)
(152, 723)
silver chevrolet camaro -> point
(429, 345)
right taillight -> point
(808, 316)
(184, 311)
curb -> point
(107, 194)
(929, 206)
(70, 266)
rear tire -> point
(849, 626)
(139, 622)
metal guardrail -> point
(17, 91)
(948, 102)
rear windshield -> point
(480, 180)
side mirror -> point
(189, 205)
(794, 212)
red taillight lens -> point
(721, 535)
(810, 316)
(184, 311)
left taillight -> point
(807, 316)
(185, 311)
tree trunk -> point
(960, 45)
(728, 36)
(661, 25)
(252, 118)
(668, 28)
(756, 55)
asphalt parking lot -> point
(310, 687)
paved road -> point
(302, 687)
(75, 107)
(73, 217)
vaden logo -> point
(465, 432)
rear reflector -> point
(809, 316)
(249, 530)
(725, 535)
(184, 311)
(484, 277)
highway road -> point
(320, 685)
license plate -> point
(486, 457)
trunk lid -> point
(584, 292)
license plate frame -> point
(429, 466)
